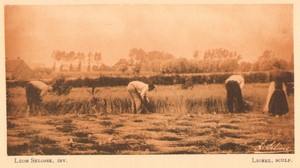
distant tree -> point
(71, 56)
(121, 61)
(155, 65)
(90, 55)
(221, 60)
(97, 58)
(79, 66)
(137, 55)
(267, 60)
(81, 56)
(158, 55)
(140, 58)
(137, 68)
(195, 66)
(56, 55)
(246, 66)
(89, 67)
(196, 54)
(280, 63)
(104, 67)
(181, 65)
(123, 68)
(95, 68)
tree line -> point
(210, 61)
(76, 59)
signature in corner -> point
(273, 146)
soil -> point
(155, 133)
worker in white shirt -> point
(138, 93)
(234, 85)
(35, 91)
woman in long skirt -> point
(277, 103)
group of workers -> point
(276, 103)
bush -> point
(60, 87)
(256, 77)
(187, 84)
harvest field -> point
(184, 121)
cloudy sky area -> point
(33, 32)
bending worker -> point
(35, 91)
(234, 85)
(138, 94)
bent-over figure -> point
(138, 94)
(234, 85)
(35, 91)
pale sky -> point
(33, 32)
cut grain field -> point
(180, 126)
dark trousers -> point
(234, 93)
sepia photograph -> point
(149, 79)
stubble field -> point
(192, 121)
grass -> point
(115, 100)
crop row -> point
(123, 105)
